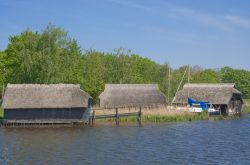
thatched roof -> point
(18, 96)
(212, 93)
(127, 95)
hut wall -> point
(47, 113)
(234, 107)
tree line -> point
(51, 56)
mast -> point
(180, 83)
(188, 77)
(3, 82)
(169, 81)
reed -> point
(156, 114)
(246, 107)
(246, 102)
(246, 110)
(187, 116)
(1, 113)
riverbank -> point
(246, 108)
(156, 114)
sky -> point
(208, 33)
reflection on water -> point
(205, 142)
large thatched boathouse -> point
(44, 102)
(131, 95)
(220, 96)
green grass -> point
(246, 108)
(160, 118)
(176, 118)
(1, 114)
(246, 102)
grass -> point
(160, 114)
(246, 102)
(159, 118)
(176, 118)
(1, 114)
(246, 108)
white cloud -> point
(239, 21)
(201, 17)
(131, 4)
(176, 13)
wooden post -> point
(89, 120)
(117, 116)
(220, 109)
(139, 117)
(93, 117)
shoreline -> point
(163, 117)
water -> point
(204, 142)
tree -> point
(206, 76)
(51, 56)
(46, 57)
(2, 72)
(238, 76)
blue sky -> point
(208, 33)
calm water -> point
(205, 142)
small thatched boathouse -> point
(131, 95)
(220, 96)
(42, 102)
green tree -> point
(2, 72)
(46, 57)
(238, 76)
(206, 76)
(51, 56)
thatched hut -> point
(221, 96)
(131, 95)
(35, 101)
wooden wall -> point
(48, 113)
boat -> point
(200, 106)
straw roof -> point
(212, 93)
(128, 95)
(18, 96)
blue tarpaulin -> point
(203, 104)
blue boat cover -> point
(203, 104)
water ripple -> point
(206, 142)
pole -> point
(139, 117)
(117, 116)
(180, 83)
(3, 91)
(188, 78)
(3, 82)
(93, 117)
(169, 81)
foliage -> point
(119, 67)
(2, 70)
(206, 76)
(51, 56)
(238, 76)
(46, 57)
